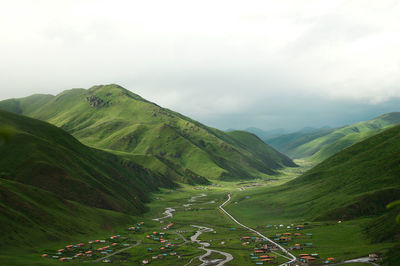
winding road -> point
(292, 258)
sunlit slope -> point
(110, 117)
(323, 143)
(358, 181)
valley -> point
(187, 226)
(105, 176)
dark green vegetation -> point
(354, 183)
(358, 181)
(56, 191)
(319, 144)
(113, 118)
(52, 186)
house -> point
(299, 227)
(145, 261)
(45, 256)
(307, 259)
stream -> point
(168, 214)
(217, 262)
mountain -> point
(291, 144)
(265, 134)
(356, 182)
(114, 119)
(51, 185)
(322, 143)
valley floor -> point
(187, 227)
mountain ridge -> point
(113, 118)
(325, 142)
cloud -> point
(245, 63)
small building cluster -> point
(93, 249)
(166, 247)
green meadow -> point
(341, 241)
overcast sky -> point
(226, 63)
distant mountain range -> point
(320, 144)
(265, 134)
(168, 143)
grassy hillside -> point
(321, 144)
(48, 179)
(288, 143)
(110, 117)
(358, 181)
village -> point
(159, 247)
(174, 239)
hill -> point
(356, 182)
(115, 119)
(320, 144)
(53, 186)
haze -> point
(229, 64)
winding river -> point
(204, 245)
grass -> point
(55, 191)
(359, 181)
(321, 144)
(330, 239)
(52, 186)
(113, 118)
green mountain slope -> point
(288, 143)
(358, 181)
(113, 118)
(323, 143)
(47, 177)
